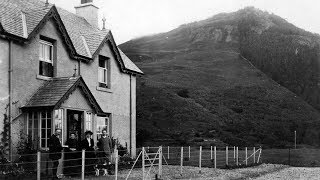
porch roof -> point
(54, 92)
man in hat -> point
(55, 151)
(88, 145)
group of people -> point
(72, 155)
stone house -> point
(59, 70)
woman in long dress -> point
(88, 145)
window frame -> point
(42, 57)
(106, 72)
(88, 121)
(39, 129)
(107, 119)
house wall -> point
(26, 82)
(4, 75)
(115, 100)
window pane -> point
(36, 134)
(50, 53)
(105, 76)
(49, 115)
(48, 133)
(43, 133)
(45, 69)
(43, 115)
(36, 123)
(43, 142)
(100, 75)
(30, 124)
(43, 123)
(47, 53)
(35, 115)
(49, 123)
(101, 63)
(30, 132)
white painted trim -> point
(86, 46)
(24, 25)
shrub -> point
(183, 93)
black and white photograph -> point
(159, 89)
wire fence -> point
(80, 164)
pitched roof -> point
(54, 92)
(22, 18)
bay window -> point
(39, 127)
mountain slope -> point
(197, 86)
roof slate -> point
(76, 26)
(54, 92)
(51, 92)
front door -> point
(75, 123)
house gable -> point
(77, 100)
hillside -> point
(199, 89)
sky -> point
(129, 19)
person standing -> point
(88, 145)
(71, 156)
(55, 151)
(105, 146)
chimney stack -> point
(89, 11)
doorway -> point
(75, 124)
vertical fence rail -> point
(200, 154)
(143, 163)
(83, 155)
(237, 156)
(181, 161)
(254, 155)
(227, 155)
(234, 154)
(210, 152)
(189, 153)
(116, 164)
(215, 157)
(38, 165)
(168, 152)
(246, 156)
(160, 162)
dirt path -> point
(173, 172)
(293, 173)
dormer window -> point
(103, 72)
(46, 59)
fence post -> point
(259, 155)
(246, 156)
(160, 162)
(210, 152)
(168, 152)
(254, 155)
(215, 157)
(38, 165)
(237, 160)
(227, 155)
(82, 164)
(189, 152)
(234, 153)
(181, 161)
(289, 157)
(200, 154)
(143, 170)
(116, 164)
